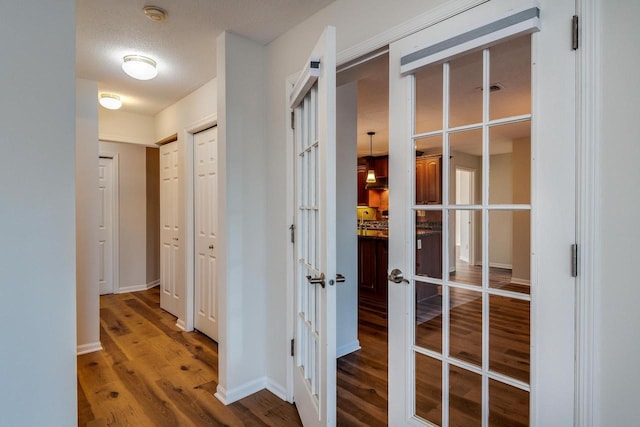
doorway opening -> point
(362, 148)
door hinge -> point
(293, 233)
(293, 342)
(293, 119)
(575, 43)
(574, 260)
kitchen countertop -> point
(384, 234)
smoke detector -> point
(155, 13)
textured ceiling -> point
(184, 45)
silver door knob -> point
(316, 280)
(396, 276)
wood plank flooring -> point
(151, 374)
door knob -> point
(396, 276)
(316, 280)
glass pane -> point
(465, 90)
(428, 99)
(429, 388)
(429, 244)
(509, 250)
(465, 166)
(429, 316)
(510, 163)
(465, 332)
(465, 246)
(509, 337)
(510, 78)
(508, 406)
(428, 170)
(465, 397)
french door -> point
(486, 339)
(313, 102)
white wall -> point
(132, 215)
(88, 298)
(285, 57)
(244, 329)
(37, 183)
(346, 200)
(197, 105)
(122, 126)
(618, 293)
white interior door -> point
(314, 102)
(171, 251)
(492, 90)
(206, 229)
(105, 224)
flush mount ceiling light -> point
(139, 67)
(110, 101)
(371, 174)
(155, 13)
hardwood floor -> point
(362, 375)
(151, 374)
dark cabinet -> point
(429, 254)
(373, 258)
(363, 193)
(429, 180)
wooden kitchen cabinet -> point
(429, 180)
(373, 258)
(363, 193)
(429, 254)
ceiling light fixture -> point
(155, 13)
(371, 174)
(110, 101)
(139, 67)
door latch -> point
(317, 280)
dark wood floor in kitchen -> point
(151, 374)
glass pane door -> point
(471, 145)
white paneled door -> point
(313, 103)
(105, 224)
(171, 250)
(206, 229)
(486, 339)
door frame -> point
(587, 182)
(115, 224)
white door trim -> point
(187, 134)
(588, 180)
(115, 220)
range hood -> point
(380, 184)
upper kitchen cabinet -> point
(429, 180)
(380, 165)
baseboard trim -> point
(136, 288)
(500, 265)
(276, 388)
(343, 350)
(88, 348)
(181, 324)
(227, 397)
(519, 281)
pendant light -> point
(371, 174)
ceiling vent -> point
(155, 13)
